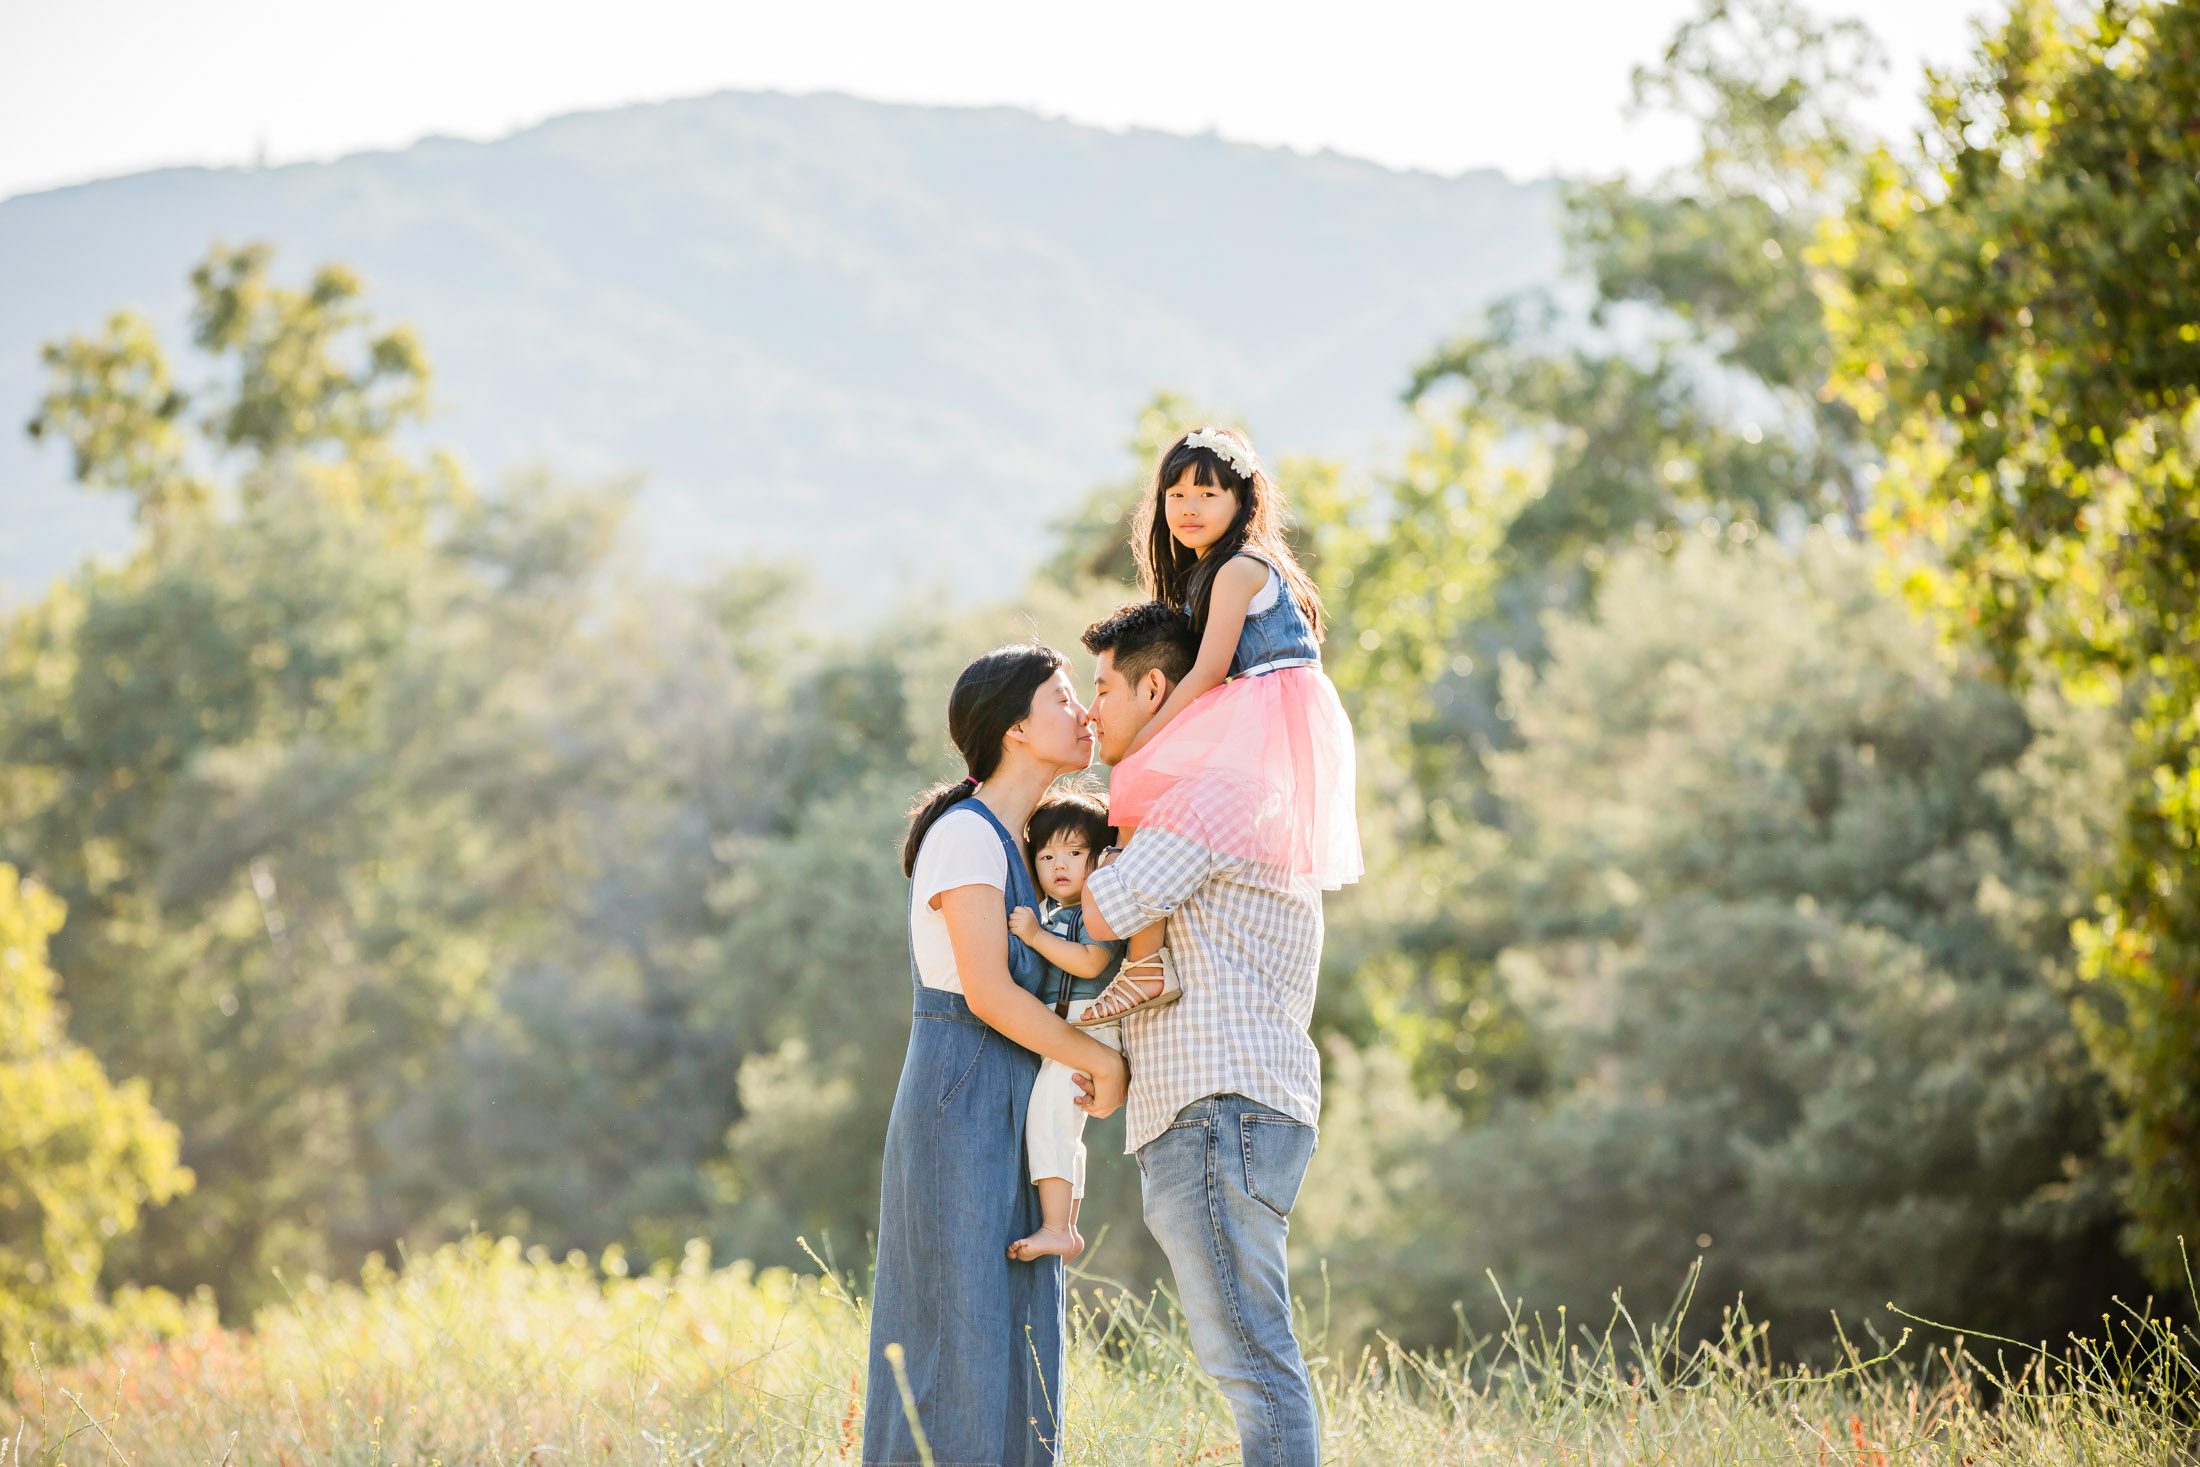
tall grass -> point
(483, 1354)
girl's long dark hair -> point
(1184, 579)
(991, 697)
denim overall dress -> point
(983, 1336)
(1277, 638)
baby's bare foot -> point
(1064, 1241)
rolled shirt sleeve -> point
(1156, 872)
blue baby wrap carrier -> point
(982, 1336)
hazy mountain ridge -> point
(878, 335)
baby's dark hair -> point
(1067, 811)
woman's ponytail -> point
(926, 810)
(991, 697)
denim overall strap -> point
(983, 1338)
(1024, 965)
(1069, 929)
(1276, 638)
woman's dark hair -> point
(991, 697)
(1067, 811)
(1185, 579)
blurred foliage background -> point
(1774, 664)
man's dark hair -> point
(1072, 811)
(1143, 636)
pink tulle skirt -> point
(1283, 734)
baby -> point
(1066, 836)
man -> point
(1225, 1084)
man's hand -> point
(1024, 922)
(1107, 857)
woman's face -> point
(1198, 514)
(1055, 731)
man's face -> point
(1120, 708)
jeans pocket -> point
(1277, 1150)
(1176, 1139)
(961, 1048)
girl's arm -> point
(980, 939)
(1236, 584)
(1079, 959)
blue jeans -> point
(1219, 1185)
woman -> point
(981, 1336)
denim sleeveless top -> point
(1277, 638)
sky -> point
(95, 88)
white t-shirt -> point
(1269, 590)
(961, 849)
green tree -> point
(578, 1102)
(2016, 321)
(80, 1156)
(1692, 392)
(1685, 400)
(287, 764)
(1793, 901)
(313, 399)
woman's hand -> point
(980, 940)
(1024, 922)
(1105, 1088)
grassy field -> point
(483, 1354)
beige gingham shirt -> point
(1245, 941)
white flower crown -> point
(1231, 450)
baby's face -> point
(1063, 864)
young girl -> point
(1256, 707)
(1066, 835)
